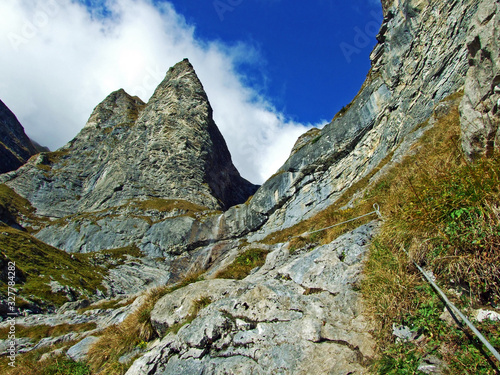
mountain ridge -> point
(15, 146)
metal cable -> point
(377, 211)
(452, 307)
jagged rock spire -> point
(169, 148)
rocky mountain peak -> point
(118, 107)
(169, 148)
(180, 83)
(15, 146)
(179, 124)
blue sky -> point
(271, 68)
(301, 67)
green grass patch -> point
(66, 366)
(168, 205)
(30, 364)
(41, 264)
(39, 332)
(243, 264)
(315, 140)
(16, 206)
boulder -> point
(78, 352)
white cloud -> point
(58, 62)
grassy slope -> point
(41, 264)
(445, 211)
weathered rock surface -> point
(78, 352)
(15, 146)
(297, 314)
(137, 275)
(480, 114)
(22, 345)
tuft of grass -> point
(243, 264)
(104, 305)
(315, 140)
(36, 333)
(198, 305)
(121, 339)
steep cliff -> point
(480, 107)
(15, 146)
(421, 58)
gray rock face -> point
(79, 351)
(172, 235)
(15, 146)
(169, 148)
(297, 314)
(421, 59)
(480, 115)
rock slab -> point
(299, 313)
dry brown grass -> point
(111, 304)
(118, 340)
(135, 330)
(41, 331)
(444, 210)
